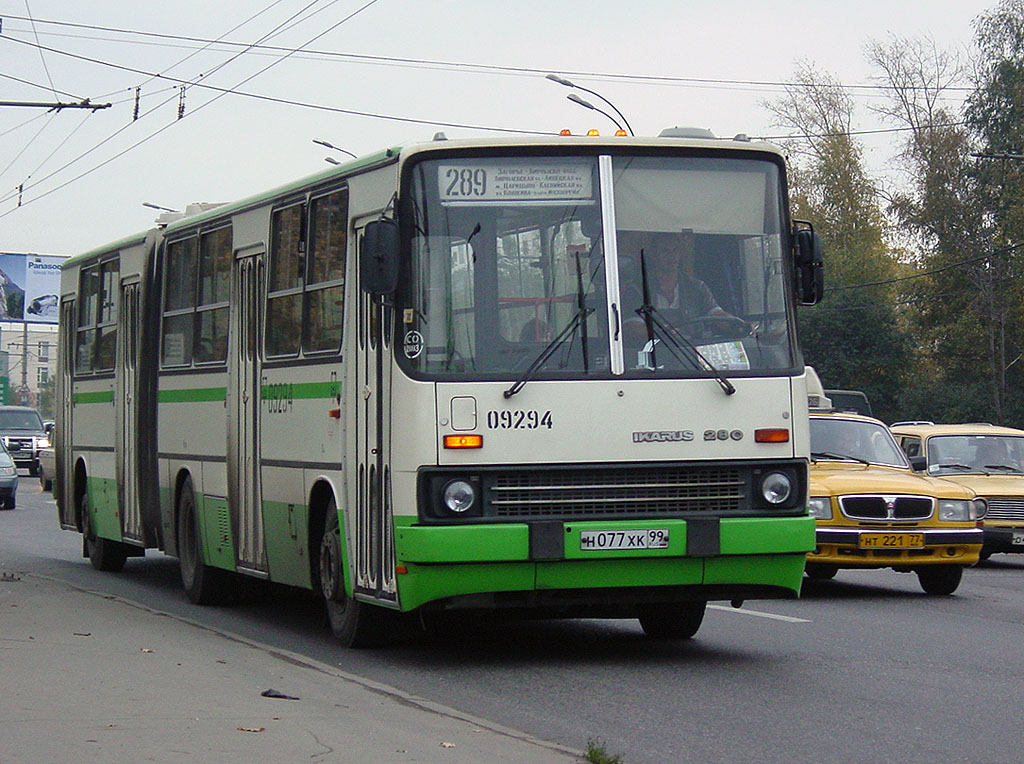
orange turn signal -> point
(463, 441)
(771, 435)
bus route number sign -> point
(514, 180)
(653, 538)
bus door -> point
(65, 394)
(373, 530)
(245, 489)
(127, 412)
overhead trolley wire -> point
(635, 78)
(201, 106)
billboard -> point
(29, 287)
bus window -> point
(179, 302)
(287, 273)
(97, 319)
(211, 343)
(326, 283)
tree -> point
(964, 310)
(853, 338)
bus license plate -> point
(646, 539)
(891, 540)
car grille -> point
(887, 507)
(604, 492)
(1006, 509)
(18, 445)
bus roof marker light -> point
(463, 441)
(593, 131)
(771, 435)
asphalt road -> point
(863, 668)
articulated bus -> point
(456, 376)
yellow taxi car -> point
(987, 459)
(874, 511)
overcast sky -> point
(85, 175)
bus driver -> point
(671, 285)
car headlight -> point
(776, 487)
(980, 508)
(458, 496)
(8, 471)
(43, 443)
(820, 507)
(956, 511)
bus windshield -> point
(511, 269)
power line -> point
(207, 103)
(959, 264)
(648, 79)
(353, 112)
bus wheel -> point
(821, 571)
(354, 623)
(203, 584)
(103, 554)
(679, 620)
(940, 579)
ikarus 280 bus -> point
(457, 375)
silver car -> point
(8, 479)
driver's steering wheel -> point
(721, 328)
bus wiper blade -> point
(577, 320)
(676, 341)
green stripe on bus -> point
(104, 396)
(193, 395)
(300, 390)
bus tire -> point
(203, 584)
(678, 620)
(940, 579)
(820, 571)
(355, 624)
(103, 554)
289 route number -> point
(519, 420)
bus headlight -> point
(458, 496)
(820, 507)
(776, 487)
(956, 511)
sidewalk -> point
(86, 677)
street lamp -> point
(587, 104)
(331, 146)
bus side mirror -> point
(809, 265)
(378, 258)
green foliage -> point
(854, 342)
(596, 753)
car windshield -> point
(834, 438)
(20, 420)
(959, 454)
(509, 257)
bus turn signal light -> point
(771, 435)
(463, 441)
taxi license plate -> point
(629, 539)
(1017, 538)
(891, 540)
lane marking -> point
(759, 614)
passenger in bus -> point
(669, 258)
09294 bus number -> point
(519, 420)
(466, 182)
